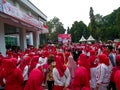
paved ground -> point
(45, 86)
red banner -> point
(64, 38)
(45, 29)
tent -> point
(82, 39)
(90, 38)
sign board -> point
(44, 29)
(64, 38)
(11, 10)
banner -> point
(15, 12)
(64, 38)
(44, 29)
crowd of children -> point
(69, 67)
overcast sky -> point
(69, 11)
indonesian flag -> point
(45, 29)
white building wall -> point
(31, 38)
(28, 8)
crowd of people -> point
(69, 67)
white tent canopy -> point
(82, 39)
(90, 38)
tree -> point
(55, 28)
(100, 27)
(68, 30)
(92, 22)
(118, 23)
(109, 25)
(98, 23)
(50, 26)
(77, 30)
(98, 18)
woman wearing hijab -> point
(81, 80)
(83, 61)
(112, 84)
(117, 79)
(43, 63)
(13, 76)
(93, 64)
(35, 79)
(49, 76)
(71, 64)
(33, 63)
(61, 75)
(67, 54)
(102, 72)
(62, 56)
(24, 66)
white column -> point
(23, 43)
(36, 39)
(31, 38)
(2, 39)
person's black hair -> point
(110, 47)
(50, 59)
(79, 52)
(74, 55)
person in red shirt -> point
(13, 76)
(81, 80)
(117, 79)
(35, 80)
(83, 61)
(112, 84)
(93, 64)
(61, 75)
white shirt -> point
(103, 74)
(61, 81)
(99, 51)
(42, 61)
(25, 73)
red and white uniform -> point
(81, 80)
(61, 75)
(103, 72)
(35, 80)
(13, 75)
(117, 79)
(93, 64)
(103, 76)
(61, 81)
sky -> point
(69, 11)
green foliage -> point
(55, 27)
(101, 28)
(93, 24)
(68, 30)
(77, 30)
(107, 27)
